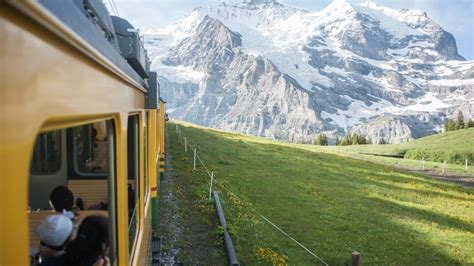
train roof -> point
(71, 15)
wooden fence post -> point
(210, 187)
(185, 145)
(356, 259)
(194, 159)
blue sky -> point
(455, 16)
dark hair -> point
(62, 199)
(91, 241)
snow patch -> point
(452, 82)
(389, 19)
(180, 74)
(428, 103)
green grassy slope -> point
(452, 146)
(331, 204)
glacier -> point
(267, 69)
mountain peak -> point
(394, 72)
(340, 4)
(338, 7)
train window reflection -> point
(46, 157)
(90, 148)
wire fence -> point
(424, 166)
(213, 184)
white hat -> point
(54, 230)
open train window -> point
(133, 145)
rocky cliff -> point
(263, 68)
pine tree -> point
(338, 141)
(343, 142)
(451, 125)
(381, 141)
(361, 139)
(346, 140)
(322, 140)
(355, 139)
(469, 123)
(459, 121)
(369, 140)
(446, 125)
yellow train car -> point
(79, 108)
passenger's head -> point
(91, 242)
(54, 231)
(62, 199)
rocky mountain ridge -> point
(263, 68)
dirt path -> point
(464, 181)
(168, 226)
(186, 231)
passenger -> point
(98, 162)
(54, 232)
(90, 246)
(62, 200)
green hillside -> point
(452, 146)
(333, 205)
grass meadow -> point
(332, 204)
(452, 147)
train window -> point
(90, 148)
(133, 145)
(59, 162)
(92, 172)
(47, 154)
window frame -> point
(112, 179)
(134, 156)
(146, 152)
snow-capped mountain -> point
(263, 68)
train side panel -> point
(47, 84)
